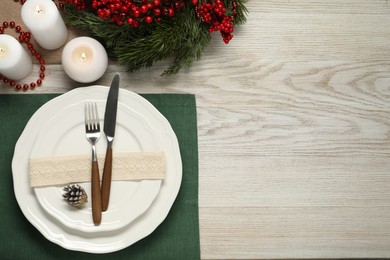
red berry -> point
(148, 19)
(136, 13)
(144, 9)
(171, 12)
(157, 12)
(136, 24)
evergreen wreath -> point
(138, 33)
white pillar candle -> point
(84, 59)
(45, 23)
(15, 62)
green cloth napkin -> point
(176, 238)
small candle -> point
(45, 23)
(15, 62)
(84, 59)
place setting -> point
(101, 169)
(54, 143)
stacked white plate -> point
(136, 207)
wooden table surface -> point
(294, 130)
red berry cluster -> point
(132, 12)
(24, 37)
(215, 14)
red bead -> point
(32, 85)
(33, 52)
(12, 83)
(1, 30)
(42, 61)
(18, 87)
(42, 68)
(25, 86)
(38, 56)
(130, 21)
(5, 24)
(42, 75)
(18, 28)
(12, 24)
(39, 82)
(156, 2)
(6, 80)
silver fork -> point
(92, 132)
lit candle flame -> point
(2, 51)
(83, 57)
(38, 9)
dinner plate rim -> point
(169, 190)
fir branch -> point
(242, 12)
(184, 36)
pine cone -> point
(75, 195)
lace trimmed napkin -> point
(68, 169)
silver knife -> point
(109, 130)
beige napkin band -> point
(71, 169)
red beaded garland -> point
(24, 37)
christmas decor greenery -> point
(138, 33)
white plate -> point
(64, 134)
(102, 242)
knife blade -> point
(109, 131)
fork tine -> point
(91, 117)
(96, 118)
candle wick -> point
(38, 9)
